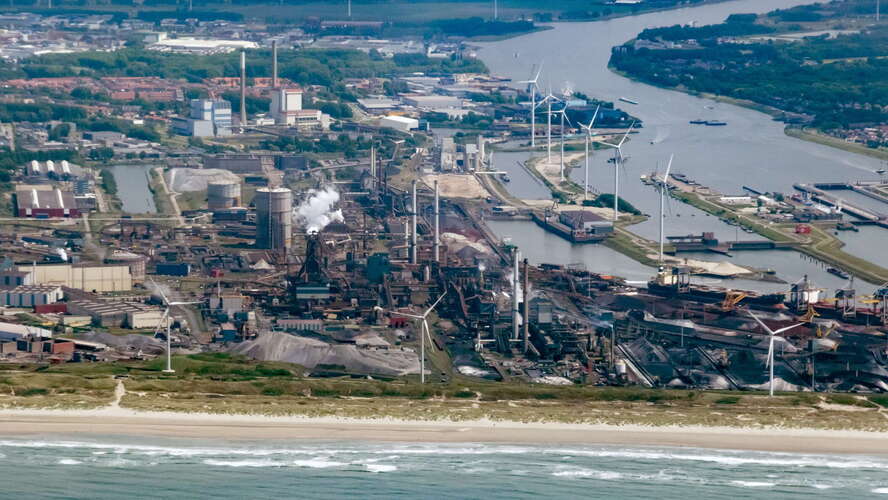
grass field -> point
(221, 383)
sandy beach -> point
(119, 421)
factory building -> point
(208, 118)
(587, 222)
(91, 278)
(223, 194)
(36, 202)
(120, 314)
(274, 225)
(399, 123)
(239, 163)
(31, 295)
(285, 106)
(13, 331)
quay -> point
(818, 192)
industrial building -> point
(91, 278)
(118, 314)
(239, 163)
(31, 295)
(285, 106)
(32, 201)
(274, 224)
(399, 123)
(208, 118)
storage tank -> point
(223, 194)
(274, 219)
(135, 262)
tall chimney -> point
(515, 285)
(373, 181)
(274, 64)
(437, 224)
(413, 258)
(526, 308)
(243, 89)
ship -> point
(698, 121)
(675, 283)
(630, 101)
(835, 271)
(505, 178)
(715, 123)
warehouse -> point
(45, 203)
(31, 295)
(92, 278)
(400, 123)
(119, 314)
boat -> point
(715, 123)
(505, 178)
(838, 272)
(627, 100)
(698, 121)
(675, 283)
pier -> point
(818, 192)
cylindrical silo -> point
(223, 194)
(274, 224)
(135, 262)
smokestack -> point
(243, 89)
(437, 224)
(373, 182)
(190, 5)
(526, 313)
(413, 258)
(515, 285)
(274, 64)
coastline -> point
(124, 422)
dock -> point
(818, 192)
(706, 242)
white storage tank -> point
(223, 194)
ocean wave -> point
(380, 467)
(317, 463)
(881, 491)
(596, 474)
(244, 463)
(753, 484)
(781, 459)
(69, 461)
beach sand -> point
(120, 421)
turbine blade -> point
(767, 329)
(159, 290)
(594, 116)
(668, 168)
(627, 133)
(770, 359)
(434, 305)
(778, 332)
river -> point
(132, 188)
(752, 150)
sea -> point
(127, 467)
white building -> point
(285, 106)
(400, 123)
(31, 295)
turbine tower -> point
(618, 162)
(534, 87)
(663, 187)
(424, 331)
(770, 361)
(563, 114)
(588, 129)
(165, 318)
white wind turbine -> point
(771, 335)
(533, 85)
(618, 162)
(563, 114)
(165, 318)
(424, 332)
(663, 187)
(588, 129)
(548, 100)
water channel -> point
(751, 151)
(132, 188)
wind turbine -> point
(166, 318)
(548, 102)
(618, 162)
(534, 87)
(424, 331)
(563, 114)
(588, 129)
(663, 187)
(770, 361)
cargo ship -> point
(627, 100)
(675, 283)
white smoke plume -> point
(62, 254)
(316, 212)
(568, 90)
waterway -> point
(751, 150)
(132, 188)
